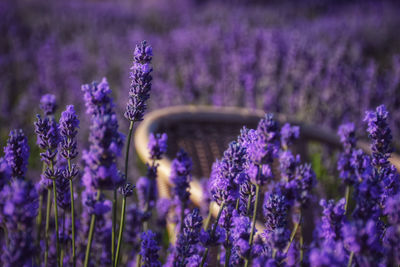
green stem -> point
(139, 260)
(115, 199)
(147, 205)
(350, 259)
(114, 225)
(39, 220)
(253, 223)
(91, 230)
(48, 208)
(71, 190)
(208, 220)
(301, 244)
(248, 205)
(183, 207)
(347, 199)
(62, 247)
(128, 143)
(203, 259)
(121, 229)
(293, 234)
(227, 257)
(56, 220)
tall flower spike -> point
(16, 153)
(333, 216)
(380, 134)
(181, 175)
(188, 238)
(47, 138)
(141, 79)
(48, 104)
(241, 226)
(348, 139)
(106, 142)
(228, 173)
(149, 250)
(68, 131)
(276, 208)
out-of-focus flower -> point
(149, 250)
(16, 153)
(106, 142)
(157, 145)
(48, 104)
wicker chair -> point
(205, 132)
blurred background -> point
(321, 61)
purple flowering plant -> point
(264, 192)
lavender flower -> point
(20, 203)
(188, 238)
(289, 134)
(330, 254)
(228, 173)
(362, 238)
(19, 251)
(47, 139)
(392, 209)
(348, 140)
(247, 194)
(268, 132)
(240, 234)
(307, 180)
(48, 104)
(106, 142)
(16, 153)
(333, 218)
(126, 189)
(163, 207)
(157, 145)
(147, 188)
(141, 79)
(380, 134)
(149, 250)
(63, 193)
(209, 240)
(276, 209)
(181, 175)
(391, 242)
(93, 206)
(68, 131)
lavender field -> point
(73, 191)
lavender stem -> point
(350, 259)
(121, 228)
(347, 198)
(48, 207)
(91, 230)
(253, 223)
(203, 259)
(293, 234)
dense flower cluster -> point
(259, 170)
(106, 142)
